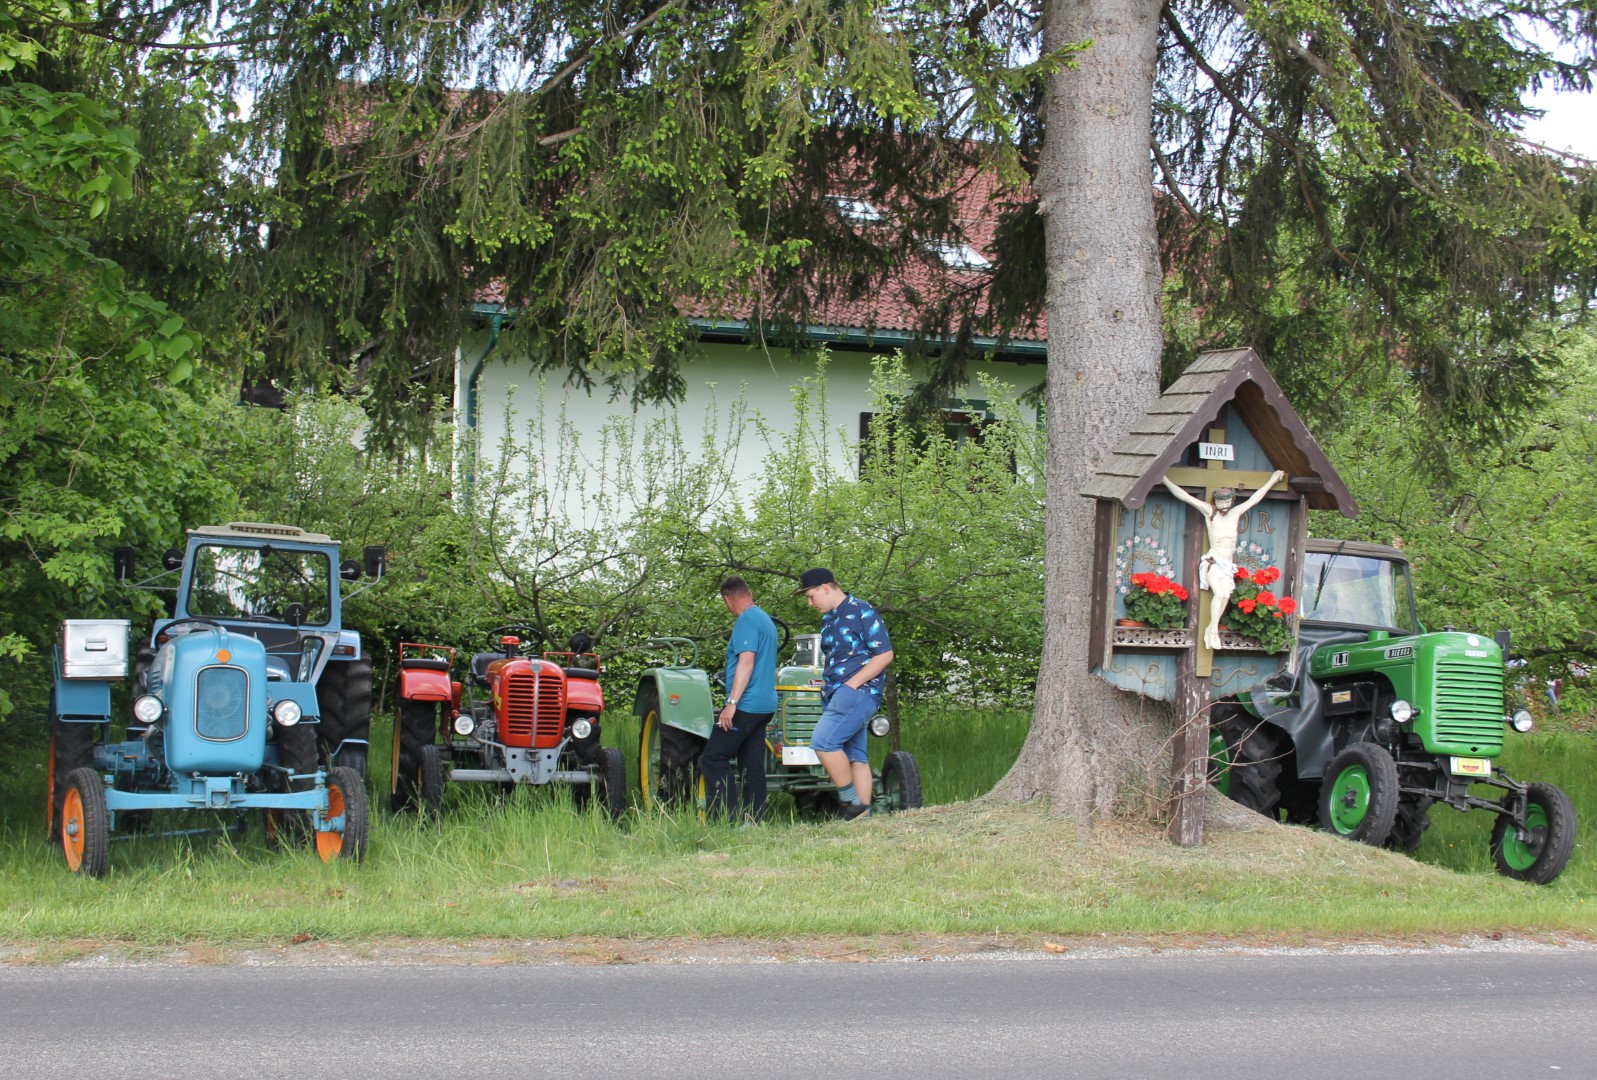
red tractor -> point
(519, 719)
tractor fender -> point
(684, 698)
(584, 696)
(423, 684)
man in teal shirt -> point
(739, 732)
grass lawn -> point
(531, 867)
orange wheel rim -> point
(72, 820)
(330, 844)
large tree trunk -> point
(1094, 750)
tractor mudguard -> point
(584, 696)
(423, 684)
(684, 698)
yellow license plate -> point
(1471, 766)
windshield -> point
(260, 583)
(1356, 590)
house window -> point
(959, 256)
(852, 209)
(960, 423)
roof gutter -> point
(496, 314)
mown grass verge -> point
(532, 867)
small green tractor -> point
(1380, 720)
(674, 705)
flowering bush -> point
(1258, 613)
(1156, 600)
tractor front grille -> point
(1469, 706)
(534, 713)
(221, 703)
(797, 718)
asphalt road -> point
(1453, 1015)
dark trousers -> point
(744, 742)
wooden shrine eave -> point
(1158, 441)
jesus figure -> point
(1217, 570)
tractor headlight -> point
(582, 728)
(147, 709)
(1522, 721)
(880, 725)
(1402, 711)
(464, 725)
(287, 712)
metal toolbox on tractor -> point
(94, 648)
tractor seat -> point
(424, 663)
(479, 665)
(581, 673)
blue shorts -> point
(842, 723)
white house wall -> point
(717, 380)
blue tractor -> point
(227, 699)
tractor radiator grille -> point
(534, 712)
(1469, 705)
(798, 717)
(221, 704)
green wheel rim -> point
(1350, 798)
(1522, 854)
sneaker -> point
(853, 810)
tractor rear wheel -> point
(1255, 765)
(667, 756)
(430, 779)
(1358, 799)
(1549, 837)
(346, 798)
(900, 783)
(85, 824)
(610, 781)
(344, 693)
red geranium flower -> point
(1247, 606)
(1288, 605)
(1266, 599)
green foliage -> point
(1506, 540)
(98, 445)
(310, 465)
(1348, 193)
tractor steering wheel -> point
(787, 635)
(529, 635)
(167, 629)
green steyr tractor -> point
(1382, 719)
(676, 710)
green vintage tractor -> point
(676, 711)
(1382, 720)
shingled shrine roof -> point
(1159, 438)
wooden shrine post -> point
(1189, 771)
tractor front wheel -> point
(346, 798)
(85, 824)
(430, 779)
(610, 781)
(900, 783)
(1408, 829)
(1549, 837)
(1358, 799)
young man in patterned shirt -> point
(856, 652)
